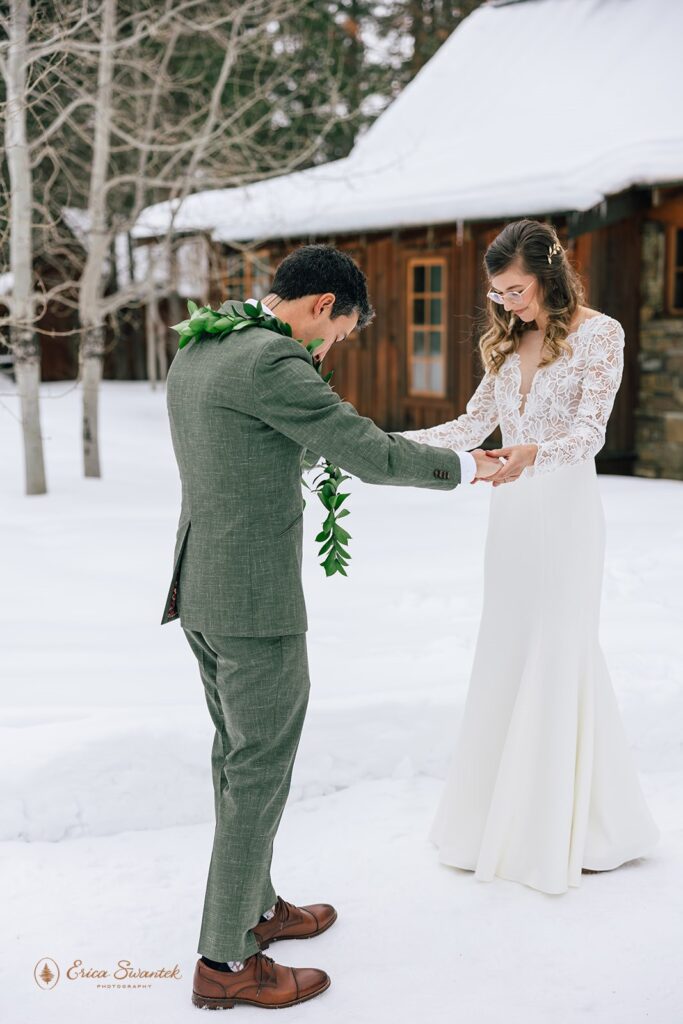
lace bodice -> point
(566, 410)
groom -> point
(242, 411)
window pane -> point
(419, 342)
(418, 311)
(435, 343)
(435, 311)
(258, 286)
(436, 376)
(260, 275)
(678, 290)
(418, 279)
(235, 267)
(419, 375)
(435, 278)
(679, 247)
(234, 283)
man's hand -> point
(517, 458)
(486, 468)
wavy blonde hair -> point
(539, 251)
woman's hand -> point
(517, 458)
(486, 468)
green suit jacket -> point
(242, 413)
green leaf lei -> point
(206, 322)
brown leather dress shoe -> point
(262, 982)
(292, 922)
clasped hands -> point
(501, 465)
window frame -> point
(411, 263)
(250, 260)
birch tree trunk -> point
(151, 343)
(91, 351)
(22, 336)
(161, 343)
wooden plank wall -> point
(370, 367)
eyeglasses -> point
(512, 296)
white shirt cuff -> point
(468, 467)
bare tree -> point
(149, 102)
(14, 66)
(23, 68)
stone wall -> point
(659, 416)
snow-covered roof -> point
(529, 107)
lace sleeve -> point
(599, 386)
(471, 428)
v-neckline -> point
(525, 397)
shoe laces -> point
(282, 909)
(265, 970)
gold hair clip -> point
(553, 250)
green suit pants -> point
(257, 691)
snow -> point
(105, 789)
(528, 108)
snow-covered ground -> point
(105, 791)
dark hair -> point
(314, 269)
(537, 248)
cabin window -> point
(426, 321)
(675, 276)
(247, 274)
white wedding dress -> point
(543, 782)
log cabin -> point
(504, 121)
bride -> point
(542, 784)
